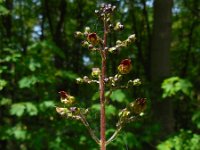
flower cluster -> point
(70, 110)
(132, 111)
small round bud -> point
(79, 80)
(118, 26)
(87, 29)
(121, 27)
(106, 48)
(96, 72)
(137, 82)
(113, 8)
(90, 46)
(62, 111)
(96, 11)
(118, 42)
(85, 78)
(112, 49)
(78, 34)
(111, 26)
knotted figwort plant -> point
(95, 43)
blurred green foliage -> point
(184, 140)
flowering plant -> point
(95, 43)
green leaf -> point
(171, 86)
(27, 82)
(18, 131)
(2, 84)
(95, 96)
(31, 109)
(46, 104)
(5, 101)
(118, 96)
(110, 110)
(17, 109)
(33, 65)
(3, 10)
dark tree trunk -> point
(160, 65)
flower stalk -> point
(94, 42)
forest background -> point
(39, 56)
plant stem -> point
(114, 135)
(84, 121)
(102, 93)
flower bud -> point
(132, 37)
(66, 98)
(87, 30)
(138, 106)
(124, 113)
(137, 82)
(86, 79)
(118, 26)
(79, 80)
(96, 72)
(78, 34)
(62, 111)
(118, 42)
(112, 49)
(125, 66)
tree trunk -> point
(160, 66)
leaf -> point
(2, 84)
(27, 82)
(118, 96)
(17, 109)
(110, 110)
(33, 65)
(95, 96)
(3, 10)
(31, 109)
(173, 85)
(46, 104)
(5, 101)
(18, 131)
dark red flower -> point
(125, 66)
(63, 95)
(92, 38)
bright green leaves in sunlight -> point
(19, 109)
(22, 108)
(184, 140)
(173, 85)
(2, 84)
(27, 82)
(3, 10)
(18, 131)
(118, 96)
